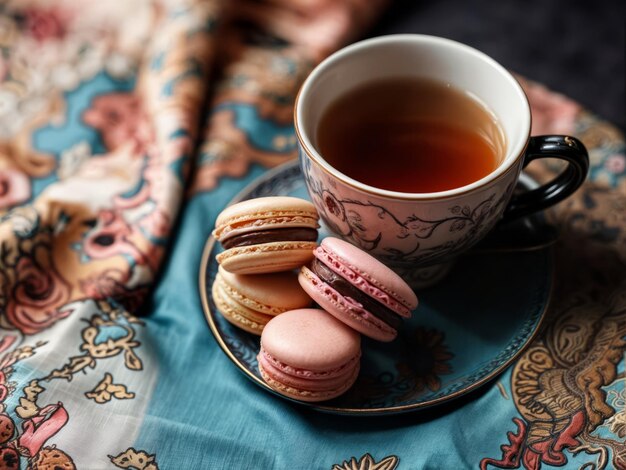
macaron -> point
(358, 289)
(251, 301)
(268, 234)
(309, 355)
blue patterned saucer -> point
(465, 332)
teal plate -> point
(465, 331)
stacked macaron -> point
(305, 354)
(264, 240)
(251, 301)
(267, 234)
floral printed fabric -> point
(99, 121)
(102, 113)
(125, 127)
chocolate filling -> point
(346, 289)
(293, 234)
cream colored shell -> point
(266, 257)
(265, 213)
(237, 314)
(270, 294)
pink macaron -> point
(309, 355)
(358, 289)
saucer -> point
(466, 330)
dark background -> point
(573, 47)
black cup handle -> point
(562, 147)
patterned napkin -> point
(125, 127)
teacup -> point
(419, 234)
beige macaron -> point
(266, 235)
(251, 301)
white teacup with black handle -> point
(419, 234)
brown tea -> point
(410, 135)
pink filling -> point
(360, 282)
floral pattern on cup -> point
(400, 235)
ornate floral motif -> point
(565, 385)
(102, 168)
(111, 236)
(346, 217)
(427, 359)
(38, 424)
(110, 332)
(38, 292)
(136, 459)
(32, 290)
(106, 390)
(105, 178)
(120, 119)
(110, 284)
(367, 462)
